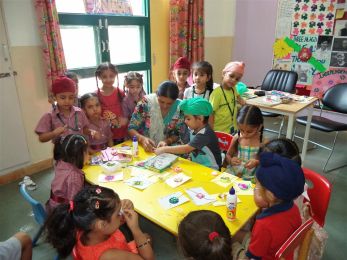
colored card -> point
(139, 182)
(110, 178)
(200, 196)
(177, 180)
(220, 199)
(225, 179)
(243, 187)
(173, 200)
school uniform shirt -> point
(104, 128)
(206, 146)
(75, 122)
(224, 120)
(181, 91)
(271, 229)
(190, 93)
(68, 181)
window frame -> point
(95, 20)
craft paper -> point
(141, 172)
(110, 178)
(200, 196)
(177, 180)
(225, 179)
(304, 71)
(139, 182)
(173, 200)
(285, 11)
(313, 17)
(220, 199)
(323, 81)
(282, 64)
(243, 187)
(116, 154)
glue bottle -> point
(135, 146)
(231, 203)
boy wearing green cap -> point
(203, 144)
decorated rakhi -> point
(305, 54)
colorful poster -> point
(284, 18)
(282, 64)
(323, 81)
(314, 17)
(305, 72)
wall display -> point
(325, 80)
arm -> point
(178, 149)
(241, 101)
(211, 120)
(48, 136)
(230, 156)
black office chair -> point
(334, 98)
(281, 80)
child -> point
(242, 155)
(92, 108)
(279, 181)
(203, 144)
(65, 118)
(19, 246)
(111, 100)
(180, 72)
(133, 87)
(203, 235)
(224, 98)
(284, 147)
(89, 225)
(203, 82)
(70, 154)
(74, 77)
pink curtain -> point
(52, 46)
(186, 30)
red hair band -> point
(213, 235)
(71, 205)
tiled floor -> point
(16, 214)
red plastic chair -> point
(300, 238)
(224, 140)
(319, 191)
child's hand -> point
(235, 161)
(122, 121)
(59, 130)
(159, 150)
(131, 218)
(127, 204)
(161, 144)
(251, 163)
(96, 135)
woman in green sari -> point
(157, 120)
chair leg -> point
(37, 236)
(331, 152)
(281, 127)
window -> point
(96, 31)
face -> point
(344, 44)
(247, 131)
(107, 78)
(192, 122)
(181, 75)
(92, 108)
(65, 100)
(113, 225)
(340, 57)
(260, 198)
(134, 87)
(200, 78)
(324, 45)
(165, 103)
(230, 79)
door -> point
(13, 145)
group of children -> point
(89, 218)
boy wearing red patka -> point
(279, 182)
(180, 72)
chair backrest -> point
(295, 240)
(224, 140)
(319, 191)
(336, 98)
(282, 80)
(38, 210)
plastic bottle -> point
(231, 203)
(135, 147)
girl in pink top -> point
(89, 225)
(70, 154)
(111, 100)
(92, 108)
(133, 87)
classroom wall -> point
(219, 34)
(254, 37)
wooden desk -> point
(291, 110)
(146, 201)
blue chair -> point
(38, 210)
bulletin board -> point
(311, 39)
